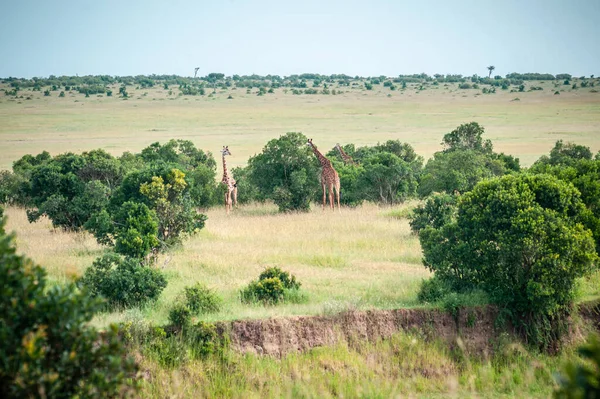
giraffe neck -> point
(326, 163)
(225, 172)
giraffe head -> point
(225, 150)
(310, 143)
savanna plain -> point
(358, 258)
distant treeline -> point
(254, 80)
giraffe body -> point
(345, 157)
(330, 180)
(229, 182)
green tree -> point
(578, 168)
(123, 282)
(467, 137)
(519, 239)
(132, 229)
(286, 172)
(47, 346)
(438, 210)
(458, 171)
(490, 69)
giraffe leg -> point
(324, 200)
(227, 199)
(337, 191)
(235, 196)
(331, 203)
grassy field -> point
(524, 124)
(357, 259)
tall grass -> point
(402, 366)
(356, 258)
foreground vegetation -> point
(526, 240)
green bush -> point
(518, 238)
(270, 289)
(168, 351)
(124, 282)
(289, 281)
(582, 380)
(432, 290)
(180, 315)
(286, 172)
(200, 299)
(203, 339)
(47, 346)
(438, 210)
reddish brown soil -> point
(473, 329)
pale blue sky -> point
(367, 38)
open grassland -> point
(357, 259)
(524, 124)
(354, 259)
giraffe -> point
(330, 179)
(229, 181)
(347, 158)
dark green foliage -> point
(132, 229)
(68, 188)
(438, 210)
(273, 286)
(582, 380)
(433, 290)
(180, 315)
(123, 282)
(467, 137)
(386, 173)
(286, 172)
(289, 281)
(12, 187)
(47, 348)
(573, 163)
(458, 171)
(565, 154)
(387, 179)
(268, 291)
(466, 160)
(200, 299)
(518, 239)
(168, 351)
(247, 191)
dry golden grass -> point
(359, 258)
(354, 258)
(526, 128)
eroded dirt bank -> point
(280, 336)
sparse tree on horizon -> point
(491, 69)
(196, 71)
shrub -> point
(286, 172)
(124, 282)
(168, 351)
(200, 299)
(582, 380)
(47, 346)
(432, 290)
(180, 315)
(289, 281)
(519, 239)
(203, 339)
(438, 210)
(270, 289)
